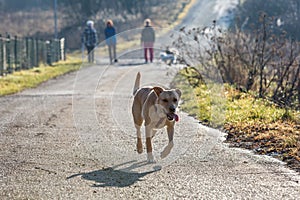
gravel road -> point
(73, 138)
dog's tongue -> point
(176, 118)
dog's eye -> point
(165, 100)
(175, 100)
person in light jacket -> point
(111, 40)
(147, 40)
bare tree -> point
(260, 61)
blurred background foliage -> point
(285, 15)
(34, 18)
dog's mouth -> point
(172, 116)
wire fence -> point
(25, 53)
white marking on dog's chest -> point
(160, 123)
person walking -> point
(89, 39)
(147, 40)
(111, 40)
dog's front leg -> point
(139, 144)
(150, 157)
(168, 148)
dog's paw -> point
(167, 150)
(150, 158)
(139, 148)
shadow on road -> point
(130, 64)
(112, 177)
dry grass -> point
(250, 123)
(261, 126)
(279, 139)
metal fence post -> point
(8, 54)
(27, 53)
(63, 48)
(54, 50)
(62, 55)
(1, 56)
(16, 52)
(37, 53)
(32, 53)
(48, 50)
(23, 56)
(43, 52)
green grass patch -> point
(206, 102)
(20, 80)
(201, 99)
(243, 107)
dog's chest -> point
(157, 119)
(159, 123)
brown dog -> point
(156, 106)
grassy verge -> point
(250, 123)
(20, 80)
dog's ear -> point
(158, 90)
(178, 92)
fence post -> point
(23, 55)
(32, 53)
(27, 54)
(62, 49)
(1, 56)
(53, 44)
(48, 50)
(16, 56)
(55, 50)
(43, 52)
(8, 54)
(37, 53)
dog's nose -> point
(172, 108)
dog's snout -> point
(172, 108)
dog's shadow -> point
(115, 177)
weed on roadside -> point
(250, 123)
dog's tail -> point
(137, 83)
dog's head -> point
(168, 100)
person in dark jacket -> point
(111, 40)
(148, 39)
(89, 39)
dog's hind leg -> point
(150, 157)
(139, 144)
(138, 121)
